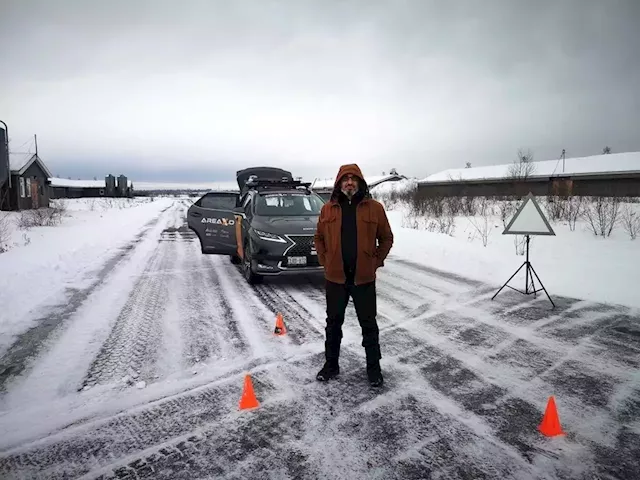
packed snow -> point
(137, 346)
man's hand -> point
(384, 235)
(318, 240)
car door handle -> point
(196, 214)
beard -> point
(350, 193)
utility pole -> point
(35, 139)
(563, 160)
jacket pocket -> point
(331, 236)
(368, 239)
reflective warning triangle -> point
(529, 220)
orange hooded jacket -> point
(375, 237)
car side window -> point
(223, 202)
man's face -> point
(349, 185)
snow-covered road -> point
(467, 379)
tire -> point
(248, 272)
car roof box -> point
(262, 173)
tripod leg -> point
(526, 272)
(505, 283)
(533, 285)
(545, 290)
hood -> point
(295, 225)
(353, 169)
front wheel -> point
(247, 267)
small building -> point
(616, 174)
(29, 183)
(69, 188)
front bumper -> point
(297, 256)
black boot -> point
(374, 372)
(331, 366)
(329, 371)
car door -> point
(213, 220)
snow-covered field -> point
(129, 358)
(574, 262)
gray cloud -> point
(208, 86)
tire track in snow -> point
(296, 317)
(84, 448)
(437, 287)
(444, 276)
(209, 327)
(248, 318)
(131, 348)
(30, 344)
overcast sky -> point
(194, 90)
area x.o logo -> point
(219, 221)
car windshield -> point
(289, 204)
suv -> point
(268, 227)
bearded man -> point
(353, 239)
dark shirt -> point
(349, 234)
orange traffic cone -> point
(550, 425)
(248, 399)
(280, 328)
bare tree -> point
(506, 209)
(556, 207)
(573, 211)
(467, 165)
(630, 221)
(523, 167)
(483, 225)
(606, 150)
(602, 215)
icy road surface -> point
(140, 376)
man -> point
(353, 239)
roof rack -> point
(275, 184)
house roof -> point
(20, 162)
(628, 162)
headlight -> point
(270, 237)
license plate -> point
(297, 260)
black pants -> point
(364, 301)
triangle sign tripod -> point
(528, 220)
